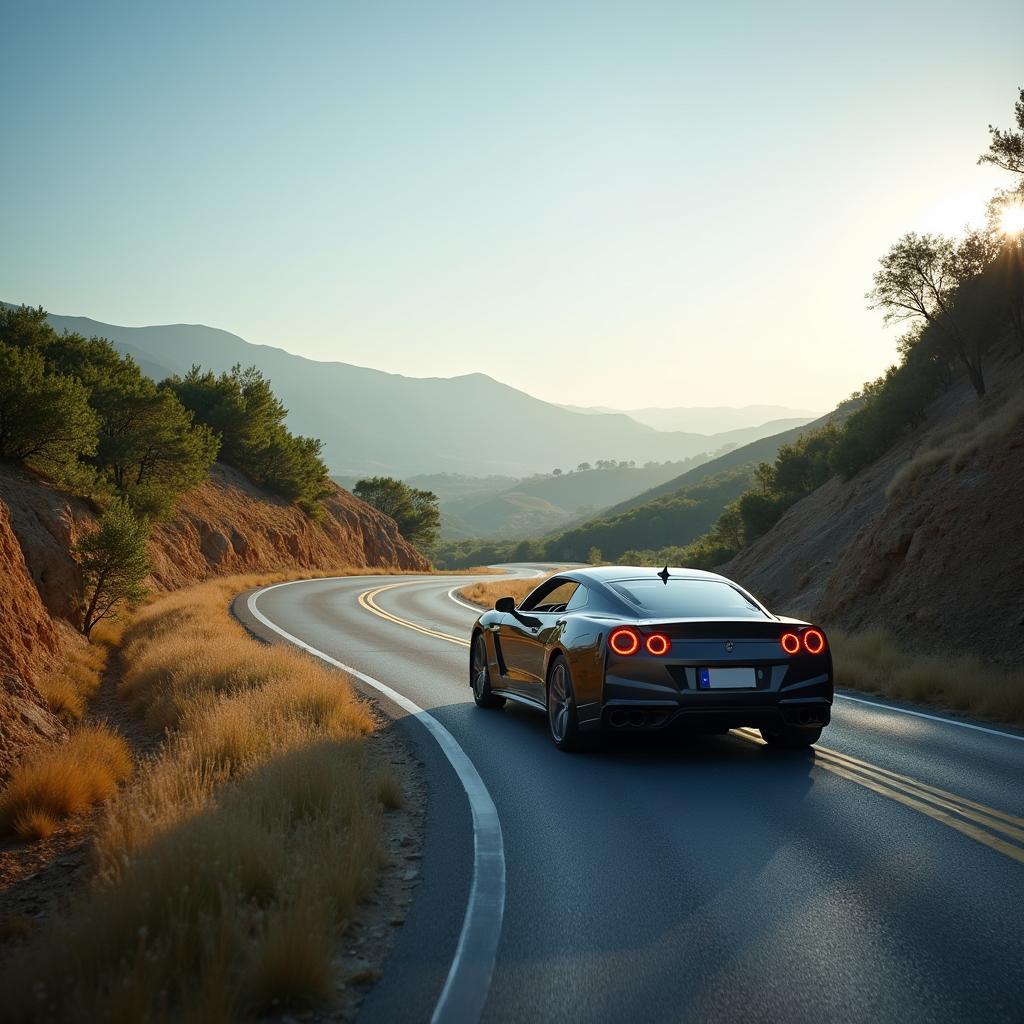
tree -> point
(764, 476)
(1006, 149)
(149, 446)
(730, 526)
(583, 467)
(44, 417)
(24, 327)
(556, 472)
(241, 408)
(114, 563)
(919, 278)
(594, 556)
(425, 525)
(415, 511)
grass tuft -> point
(485, 594)
(67, 688)
(872, 661)
(63, 780)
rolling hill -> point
(373, 422)
(677, 512)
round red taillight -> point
(814, 641)
(790, 642)
(658, 644)
(624, 641)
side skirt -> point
(520, 699)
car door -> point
(540, 621)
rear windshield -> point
(686, 598)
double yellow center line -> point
(366, 600)
(996, 829)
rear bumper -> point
(788, 694)
(631, 717)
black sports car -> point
(619, 649)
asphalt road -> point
(878, 878)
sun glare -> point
(1011, 220)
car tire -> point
(790, 737)
(563, 722)
(480, 675)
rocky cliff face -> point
(226, 525)
(28, 635)
(935, 555)
(28, 640)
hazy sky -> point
(632, 203)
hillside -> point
(225, 525)
(749, 455)
(674, 519)
(373, 422)
(924, 543)
(543, 503)
(678, 511)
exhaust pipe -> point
(618, 719)
(637, 719)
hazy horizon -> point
(644, 205)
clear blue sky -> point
(632, 203)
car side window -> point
(551, 597)
(579, 598)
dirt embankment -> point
(27, 636)
(926, 542)
(226, 525)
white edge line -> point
(465, 604)
(469, 977)
(932, 718)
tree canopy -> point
(241, 409)
(414, 510)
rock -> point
(25, 723)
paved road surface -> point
(880, 878)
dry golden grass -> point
(872, 661)
(961, 441)
(63, 780)
(485, 594)
(67, 687)
(225, 873)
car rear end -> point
(716, 674)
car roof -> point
(612, 573)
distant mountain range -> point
(372, 422)
(707, 419)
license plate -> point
(726, 679)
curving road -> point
(879, 878)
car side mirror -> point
(505, 604)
